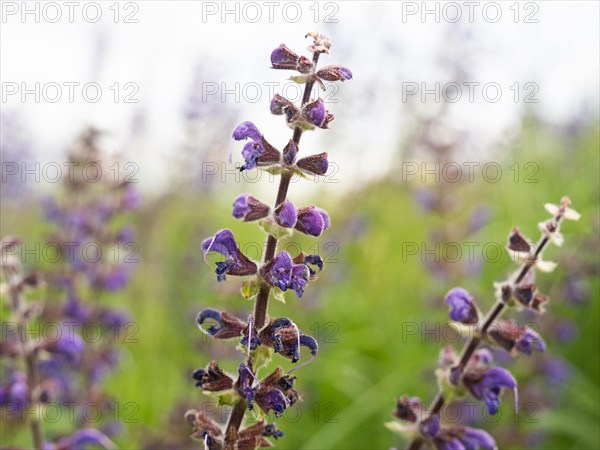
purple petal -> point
(246, 130)
(474, 439)
(299, 278)
(462, 308)
(310, 221)
(223, 242)
(286, 214)
(280, 270)
(314, 112)
(240, 206)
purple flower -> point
(15, 392)
(82, 439)
(256, 152)
(236, 263)
(249, 208)
(289, 153)
(430, 427)
(274, 400)
(114, 318)
(116, 278)
(281, 105)
(278, 270)
(246, 130)
(314, 112)
(334, 73)
(487, 386)
(530, 341)
(286, 214)
(312, 221)
(315, 164)
(283, 58)
(131, 198)
(299, 278)
(212, 379)
(69, 346)
(244, 383)
(474, 439)
(556, 369)
(462, 306)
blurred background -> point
(459, 124)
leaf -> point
(261, 356)
(278, 294)
(250, 288)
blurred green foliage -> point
(358, 309)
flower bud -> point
(286, 215)
(283, 58)
(249, 208)
(312, 221)
(314, 164)
(335, 73)
(462, 306)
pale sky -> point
(546, 51)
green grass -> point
(360, 306)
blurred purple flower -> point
(462, 306)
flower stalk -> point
(471, 371)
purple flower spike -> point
(249, 208)
(286, 215)
(530, 341)
(283, 58)
(236, 263)
(312, 221)
(278, 271)
(462, 306)
(477, 439)
(487, 386)
(335, 73)
(315, 164)
(246, 130)
(299, 279)
(314, 112)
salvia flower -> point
(462, 306)
(289, 153)
(68, 346)
(278, 271)
(488, 385)
(81, 439)
(286, 339)
(516, 338)
(314, 112)
(312, 221)
(286, 215)
(463, 438)
(275, 393)
(334, 73)
(282, 106)
(236, 263)
(314, 165)
(284, 58)
(226, 326)
(212, 379)
(256, 152)
(249, 208)
(244, 383)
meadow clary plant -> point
(37, 366)
(473, 370)
(46, 365)
(259, 335)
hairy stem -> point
(495, 312)
(261, 304)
